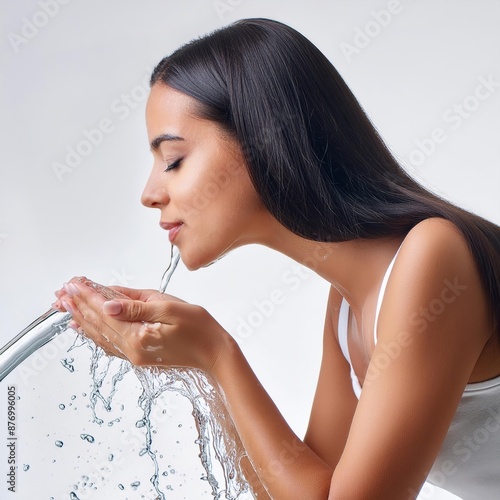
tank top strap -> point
(342, 336)
(381, 293)
(342, 329)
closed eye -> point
(173, 165)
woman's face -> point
(199, 181)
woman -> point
(409, 385)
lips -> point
(173, 228)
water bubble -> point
(61, 406)
(59, 444)
(26, 467)
(87, 437)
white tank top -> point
(468, 464)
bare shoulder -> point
(437, 234)
(434, 265)
(431, 330)
(437, 244)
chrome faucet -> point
(34, 336)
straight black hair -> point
(315, 159)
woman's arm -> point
(432, 327)
(411, 390)
(334, 402)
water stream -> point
(219, 445)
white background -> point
(64, 73)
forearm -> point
(284, 464)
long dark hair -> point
(314, 157)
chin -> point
(195, 261)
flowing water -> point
(217, 438)
(218, 442)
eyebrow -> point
(155, 143)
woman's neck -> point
(354, 268)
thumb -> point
(137, 310)
(126, 310)
(112, 307)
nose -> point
(154, 194)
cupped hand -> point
(146, 327)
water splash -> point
(67, 363)
(217, 440)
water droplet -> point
(73, 496)
(135, 485)
(180, 425)
(112, 422)
(26, 467)
(121, 486)
(164, 473)
(87, 437)
(73, 397)
(67, 363)
(59, 444)
(110, 457)
(61, 406)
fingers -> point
(134, 329)
(133, 293)
(85, 306)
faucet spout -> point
(34, 336)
